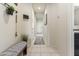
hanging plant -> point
(10, 10)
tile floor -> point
(41, 50)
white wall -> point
(7, 29)
(51, 23)
(25, 26)
(60, 27)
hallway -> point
(44, 28)
(41, 50)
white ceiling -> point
(39, 7)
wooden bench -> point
(18, 49)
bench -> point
(18, 49)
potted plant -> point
(24, 38)
(10, 10)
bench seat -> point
(16, 49)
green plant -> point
(10, 10)
(24, 38)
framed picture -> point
(25, 17)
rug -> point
(39, 40)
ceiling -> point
(39, 7)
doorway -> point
(39, 29)
(39, 11)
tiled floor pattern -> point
(41, 50)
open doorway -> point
(39, 11)
(39, 29)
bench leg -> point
(25, 51)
